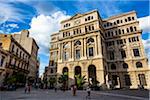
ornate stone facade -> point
(103, 50)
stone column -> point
(95, 45)
(72, 48)
(82, 48)
(70, 51)
(99, 42)
(59, 52)
(85, 56)
(128, 51)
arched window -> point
(113, 66)
(65, 46)
(125, 65)
(90, 40)
(139, 65)
(77, 43)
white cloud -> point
(145, 24)
(11, 13)
(12, 25)
(43, 26)
(7, 28)
(147, 48)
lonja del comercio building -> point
(105, 50)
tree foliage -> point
(63, 80)
(81, 80)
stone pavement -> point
(81, 95)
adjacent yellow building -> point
(32, 48)
(109, 51)
(14, 58)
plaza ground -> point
(81, 95)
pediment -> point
(76, 16)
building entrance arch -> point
(92, 74)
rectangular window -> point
(92, 27)
(133, 39)
(88, 17)
(65, 55)
(123, 54)
(80, 31)
(85, 29)
(116, 32)
(136, 52)
(127, 80)
(112, 33)
(142, 79)
(0, 44)
(114, 79)
(2, 61)
(123, 31)
(12, 48)
(129, 39)
(51, 62)
(110, 24)
(108, 33)
(74, 32)
(77, 54)
(107, 24)
(91, 52)
(117, 21)
(129, 18)
(89, 28)
(137, 38)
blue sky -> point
(42, 17)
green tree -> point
(11, 79)
(63, 79)
(52, 81)
(81, 80)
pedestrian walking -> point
(29, 88)
(74, 89)
(26, 87)
(88, 89)
(55, 88)
(110, 84)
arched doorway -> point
(92, 75)
(77, 73)
(65, 78)
(77, 70)
(65, 69)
